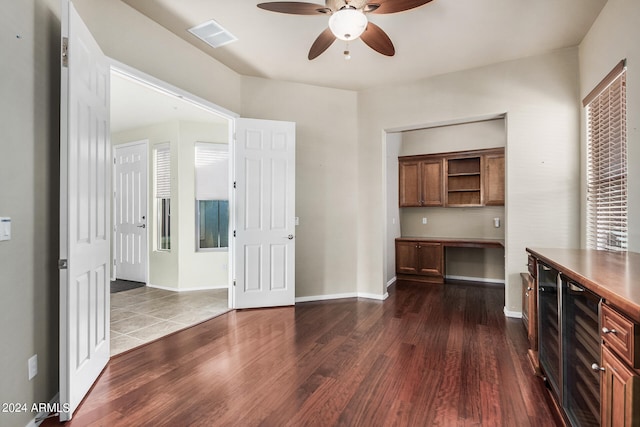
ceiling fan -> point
(347, 21)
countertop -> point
(460, 242)
(615, 276)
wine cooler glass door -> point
(581, 348)
(549, 326)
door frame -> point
(144, 142)
(133, 74)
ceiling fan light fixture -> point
(348, 23)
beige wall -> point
(539, 96)
(29, 78)
(182, 268)
(614, 36)
(326, 187)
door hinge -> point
(62, 264)
(234, 233)
(234, 283)
(65, 52)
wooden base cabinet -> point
(619, 393)
(419, 261)
(599, 345)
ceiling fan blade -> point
(393, 6)
(322, 43)
(378, 40)
(295, 7)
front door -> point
(265, 213)
(130, 194)
(85, 171)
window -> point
(607, 163)
(162, 163)
(212, 196)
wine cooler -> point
(581, 347)
(568, 317)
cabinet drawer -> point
(621, 335)
(531, 264)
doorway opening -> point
(161, 280)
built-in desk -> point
(422, 258)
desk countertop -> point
(460, 242)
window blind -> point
(212, 171)
(163, 171)
(607, 163)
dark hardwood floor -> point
(430, 355)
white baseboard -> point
(201, 288)
(514, 314)
(476, 279)
(327, 297)
(374, 296)
(341, 296)
(392, 281)
(54, 403)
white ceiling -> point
(439, 37)
(135, 105)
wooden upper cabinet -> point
(431, 181)
(420, 183)
(461, 179)
(410, 192)
(494, 179)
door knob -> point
(290, 237)
(597, 368)
(142, 226)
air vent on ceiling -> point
(213, 34)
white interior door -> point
(265, 213)
(130, 194)
(85, 170)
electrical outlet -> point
(33, 366)
(424, 220)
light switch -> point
(5, 228)
(424, 220)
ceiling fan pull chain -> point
(347, 54)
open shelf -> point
(463, 181)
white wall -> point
(181, 268)
(539, 96)
(614, 36)
(163, 265)
(197, 270)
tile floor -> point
(144, 314)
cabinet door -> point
(532, 329)
(431, 183)
(525, 300)
(619, 393)
(409, 182)
(407, 257)
(430, 259)
(494, 179)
